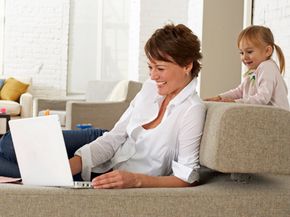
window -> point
(98, 42)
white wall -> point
(276, 15)
(36, 41)
(155, 14)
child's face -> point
(252, 55)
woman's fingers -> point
(114, 179)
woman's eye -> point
(160, 69)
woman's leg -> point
(74, 139)
(8, 168)
(7, 148)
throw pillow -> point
(13, 89)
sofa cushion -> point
(13, 89)
(119, 92)
(243, 138)
(99, 90)
(264, 196)
(12, 108)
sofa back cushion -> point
(119, 92)
(243, 138)
(98, 91)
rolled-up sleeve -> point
(85, 154)
(187, 162)
(184, 173)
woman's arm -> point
(123, 179)
(75, 164)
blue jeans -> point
(74, 139)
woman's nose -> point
(153, 74)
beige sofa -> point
(237, 139)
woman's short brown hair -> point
(176, 43)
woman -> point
(156, 141)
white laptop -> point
(41, 152)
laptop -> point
(41, 153)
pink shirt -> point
(265, 86)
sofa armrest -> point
(240, 138)
(26, 103)
(101, 115)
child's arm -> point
(215, 98)
(229, 96)
(233, 94)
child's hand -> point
(227, 100)
(216, 99)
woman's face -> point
(170, 78)
(252, 55)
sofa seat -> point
(218, 196)
(12, 108)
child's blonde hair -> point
(262, 36)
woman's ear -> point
(188, 67)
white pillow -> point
(119, 93)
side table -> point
(4, 126)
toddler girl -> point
(263, 82)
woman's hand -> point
(216, 99)
(116, 179)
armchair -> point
(104, 104)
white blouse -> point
(171, 148)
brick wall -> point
(276, 15)
(35, 43)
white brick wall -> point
(276, 15)
(35, 43)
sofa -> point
(104, 103)
(239, 141)
(16, 97)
